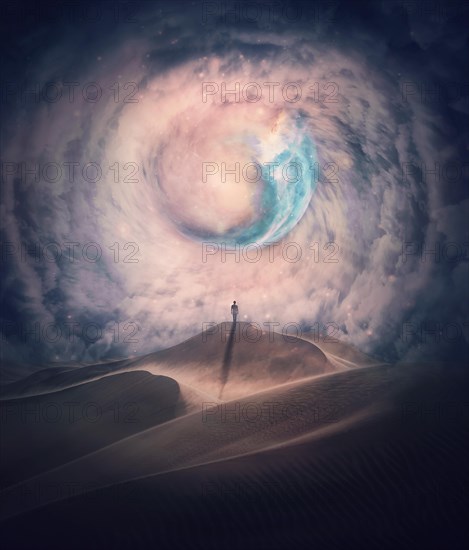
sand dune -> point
(185, 424)
(229, 362)
(41, 432)
(221, 363)
(90, 407)
(342, 354)
(12, 372)
(289, 413)
(58, 378)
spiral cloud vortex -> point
(207, 159)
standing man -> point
(234, 311)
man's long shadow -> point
(225, 369)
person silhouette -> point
(234, 311)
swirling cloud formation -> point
(187, 158)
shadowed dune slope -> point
(44, 431)
(58, 378)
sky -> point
(162, 159)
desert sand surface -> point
(240, 444)
(223, 362)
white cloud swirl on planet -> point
(368, 208)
